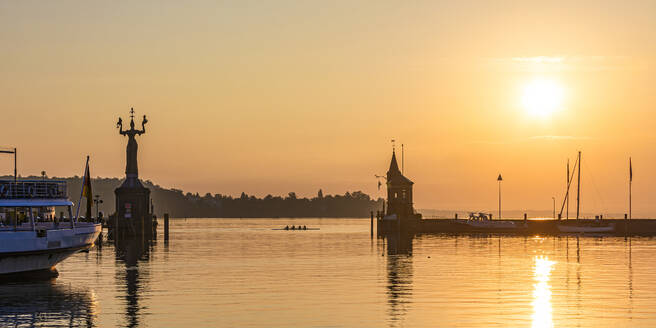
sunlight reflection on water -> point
(542, 310)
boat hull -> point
(491, 226)
(15, 263)
(586, 229)
(24, 251)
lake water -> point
(240, 273)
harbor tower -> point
(400, 214)
(399, 191)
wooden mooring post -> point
(372, 224)
(166, 226)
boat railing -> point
(26, 189)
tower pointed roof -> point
(394, 166)
(394, 175)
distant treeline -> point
(180, 204)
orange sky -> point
(271, 97)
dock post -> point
(372, 224)
(456, 216)
(166, 226)
(626, 225)
(524, 216)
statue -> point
(131, 168)
(133, 214)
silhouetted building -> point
(399, 191)
(399, 216)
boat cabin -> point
(32, 201)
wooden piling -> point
(166, 226)
(372, 223)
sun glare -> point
(542, 97)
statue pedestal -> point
(133, 209)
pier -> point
(623, 227)
(400, 217)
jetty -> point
(398, 216)
(622, 227)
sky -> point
(269, 97)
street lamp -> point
(554, 207)
(97, 201)
(499, 179)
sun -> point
(542, 97)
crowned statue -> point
(131, 167)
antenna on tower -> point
(402, 160)
(393, 146)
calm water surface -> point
(240, 273)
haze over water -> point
(270, 97)
(239, 272)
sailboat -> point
(587, 226)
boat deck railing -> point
(26, 226)
(26, 189)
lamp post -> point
(554, 207)
(499, 179)
(97, 201)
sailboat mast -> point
(567, 196)
(578, 189)
(630, 182)
(570, 179)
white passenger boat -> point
(32, 237)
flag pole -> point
(499, 179)
(79, 204)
